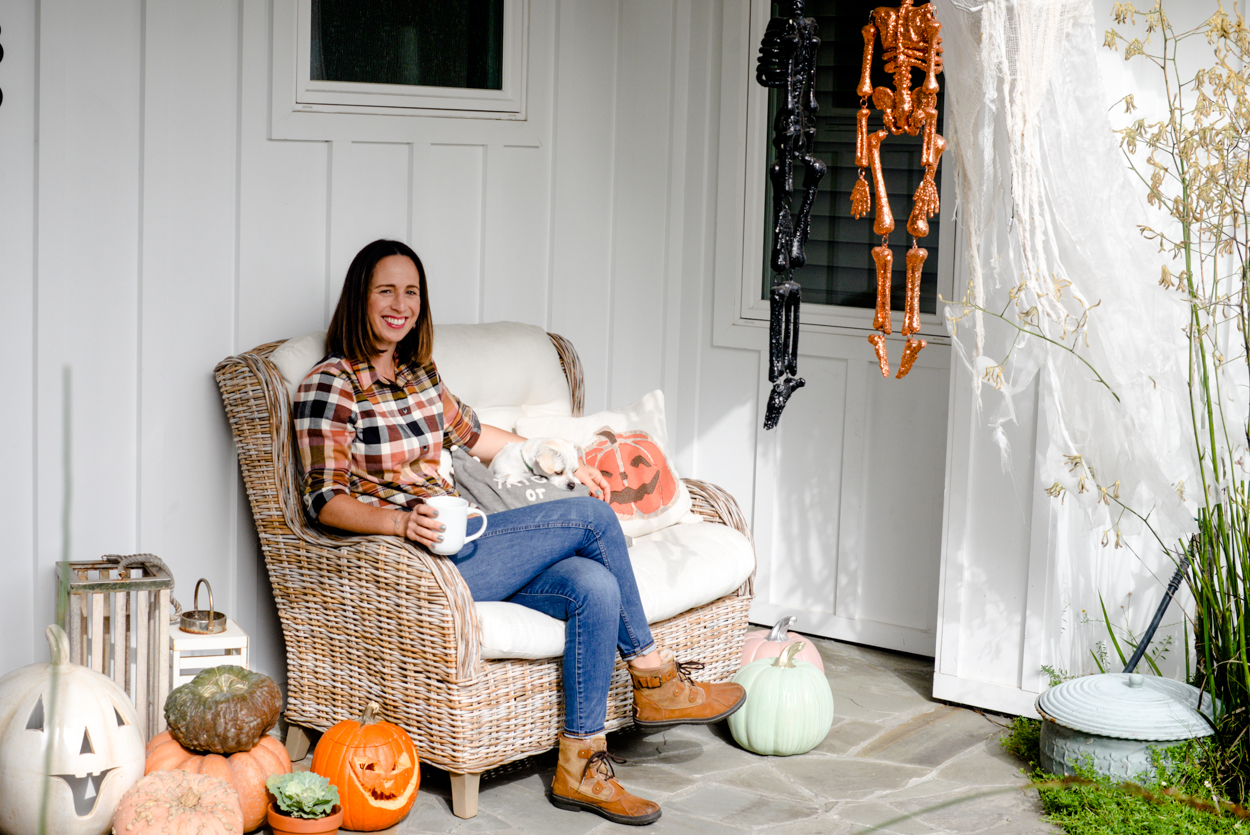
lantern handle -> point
(196, 602)
(151, 561)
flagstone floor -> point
(893, 752)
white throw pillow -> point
(630, 446)
(296, 357)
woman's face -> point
(394, 300)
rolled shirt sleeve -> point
(461, 426)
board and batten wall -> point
(150, 227)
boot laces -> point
(601, 762)
(685, 668)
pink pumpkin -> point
(770, 643)
(179, 803)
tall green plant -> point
(1197, 169)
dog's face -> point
(553, 458)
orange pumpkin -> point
(177, 802)
(375, 767)
(637, 473)
(246, 771)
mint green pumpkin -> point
(789, 707)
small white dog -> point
(554, 459)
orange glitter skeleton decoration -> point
(910, 40)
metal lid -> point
(1128, 706)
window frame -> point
(295, 92)
(851, 321)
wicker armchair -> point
(377, 618)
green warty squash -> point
(223, 710)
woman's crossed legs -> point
(566, 559)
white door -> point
(848, 489)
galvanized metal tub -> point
(1113, 720)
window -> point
(400, 57)
(418, 43)
(840, 272)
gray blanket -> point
(475, 483)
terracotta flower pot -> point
(283, 825)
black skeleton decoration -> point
(787, 61)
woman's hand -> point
(350, 514)
(593, 479)
(423, 526)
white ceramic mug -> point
(454, 513)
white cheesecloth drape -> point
(1048, 211)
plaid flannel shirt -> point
(362, 436)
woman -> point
(372, 419)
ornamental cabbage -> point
(303, 794)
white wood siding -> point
(156, 228)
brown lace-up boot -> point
(667, 695)
(585, 780)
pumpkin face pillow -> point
(639, 478)
(628, 447)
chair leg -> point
(297, 741)
(464, 794)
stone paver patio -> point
(893, 751)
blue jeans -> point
(567, 559)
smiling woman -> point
(372, 419)
(394, 305)
(374, 278)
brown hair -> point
(350, 333)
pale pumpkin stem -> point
(189, 798)
(369, 717)
(58, 642)
(778, 632)
(786, 659)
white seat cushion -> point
(678, 568)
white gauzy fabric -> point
(1050, 216)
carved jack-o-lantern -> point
(641, 482)
(83, 726)
(375, 767)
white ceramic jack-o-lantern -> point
(81, 728)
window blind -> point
(427, 43)
(840, 269)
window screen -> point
(427, 43)
(840, 269)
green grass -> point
(1178, 800)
